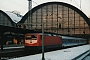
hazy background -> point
(22, 5)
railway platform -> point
(12, 50)
(74, 53)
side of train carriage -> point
(34, 41)
(72, 41)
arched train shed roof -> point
(15, 18)
(8, 17)
(60, 3)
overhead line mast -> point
(29, 13)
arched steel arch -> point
(61, 3)
(12, 23)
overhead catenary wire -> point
(78, 4)
(87, 4)
(22, 6)
(17, 4)
(81, 3)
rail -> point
(82, 56)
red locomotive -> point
(34, 41)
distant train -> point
(34, 41)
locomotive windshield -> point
(29, 37)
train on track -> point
(33, 41)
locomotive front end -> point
(30, 40)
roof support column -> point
(2, 40)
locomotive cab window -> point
(33, 37)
